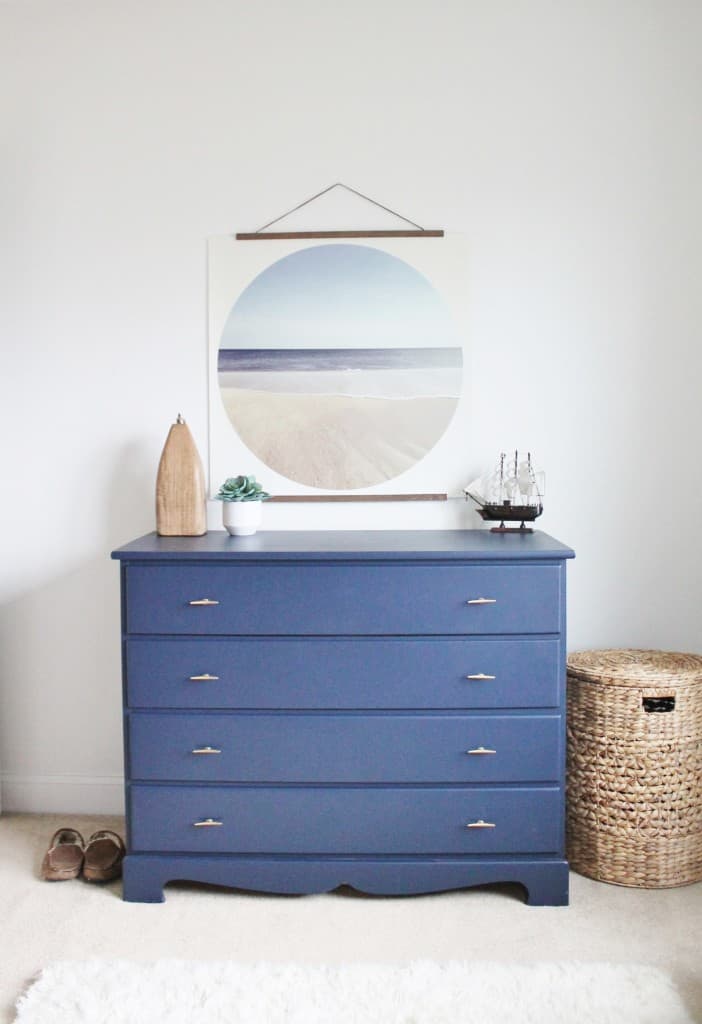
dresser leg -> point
(142, 881)
(546, 886)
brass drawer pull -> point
(481, 750)
(204, 678)
(482, 600)
(204, 601)
(207, 823)
(480, 675)
(206, 750)
(480, 824)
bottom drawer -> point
(345, 819)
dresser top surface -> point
(351, 545)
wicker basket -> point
(635, 767)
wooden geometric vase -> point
(181, 509)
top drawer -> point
(338, 599)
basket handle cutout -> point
(658, 704)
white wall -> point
(562, 137)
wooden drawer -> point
(343, 673)
(343, 599)
(345, 820)
(298, 747)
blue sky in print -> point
(339, 296)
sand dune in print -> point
(336, 441)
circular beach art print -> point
(339, 366)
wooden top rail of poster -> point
(255, 236)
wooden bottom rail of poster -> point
(359, 497)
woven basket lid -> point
(635, 668)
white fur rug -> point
(201, 992)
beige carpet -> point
(42, 922)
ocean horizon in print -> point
(365, 373)
(372, 390)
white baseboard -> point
(62, 794)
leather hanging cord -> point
(262, 233)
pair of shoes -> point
(100, 859)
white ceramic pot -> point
(241, 518)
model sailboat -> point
(512, 493)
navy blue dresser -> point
(379, 709)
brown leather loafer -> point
(64, 858)
(104, 853)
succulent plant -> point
(241, 488)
